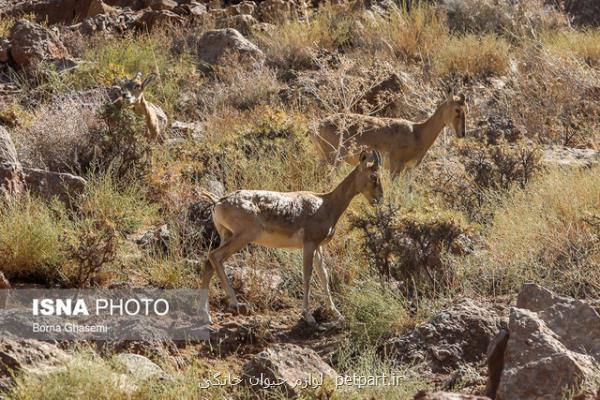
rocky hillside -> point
(476, 277)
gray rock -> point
(456, 336)
(141, 367)
(553, 347)
(18, 355)
(48, 184)
(290, 365)
(215, 44)
(32, 44)
(563, 156)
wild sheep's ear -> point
(149, 79)
(364, 157)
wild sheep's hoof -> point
(239, 308)
(310, 320)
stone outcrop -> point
(28, 355)
(139, 366)
(290, 365)
(456, 336)
(562, 156)
(11, 172)
(32, 44)
(215, 44)
(382, 96)
(48, 184)
(553, 346)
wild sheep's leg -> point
(308, 256)
(220, 255)
(324, 277)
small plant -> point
(94, 246)
(30, 245)
(123, 144)
(411, 249)
(490, 170)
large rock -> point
(139, 366)
(290, 365)
(153, 18)
(28, 355)
(31, 44)
(215, 44)
(553, 347)
(382, 96)
(275, 11)
(423, 395)
(65, 11)
(456, 336)
(48, 184)
(562, 156)
(11, 172)
(242, 23)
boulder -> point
(193, 9)
(458, 335)
(139, 366)
(109, 23)
(28, 355)
(553, 346)
(48, 184)
(275, 11)
(97, 7)
(562, 156)
(242, 23)
(382, 96)
(11, 172)
(161, 4)
(153, 18)
(213, 45)
(290, 365)
(423, 395)
(31, 44)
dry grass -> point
(473, 56)
(546, 234)
(30, 239)
(583, 45)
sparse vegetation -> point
(477, 218)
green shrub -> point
(410, 246)
(120, 204)
(30, 238)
